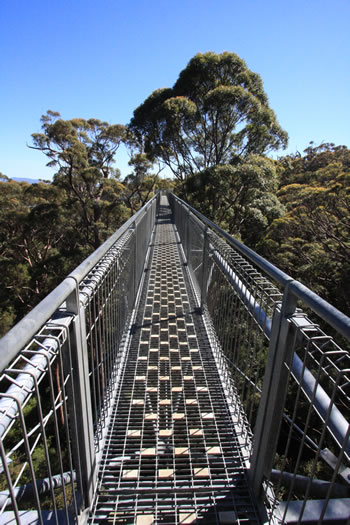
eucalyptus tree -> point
(241, 198)
(311, 241)
(83, 152)
(38, 246)
(217, 113)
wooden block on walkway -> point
(213, 450)
(147, 519)
(187, 518)
(207, 415)
(201, 472)
(194, 432)
(165, 473)
(151, 417)
(130, 474)
(181, 451)
(148, 452)
(166, 432)
(134, 433)
(178, 415)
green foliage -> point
(83, 151)
(240, 198)
(216, 112)
(311, 241)
(47, 229)
(35, 246)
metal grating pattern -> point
(172, 454)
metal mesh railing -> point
(288, 380)
(60, 366)
(38, 428)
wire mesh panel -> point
(108, 294)
(240, 303)
(38, 430)
(310, 472)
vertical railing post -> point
(274, 392)
(204, 268)
(135, 259)
(83, 420)
(187, 244)
(155, 209)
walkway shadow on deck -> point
(165, 215)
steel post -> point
(273, 393)
(83, 420)
(204, 268)
(187, 240)
(135, 259)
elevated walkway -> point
(172, 454)
(173, 378)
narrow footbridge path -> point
(174, 378)
(172, 453)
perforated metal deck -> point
(172, 454)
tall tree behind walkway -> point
(217, 113)
(83, 151)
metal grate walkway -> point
(171, 454)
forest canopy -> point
(213, 130)
(216, 113)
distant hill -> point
(24, 179)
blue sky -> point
(102, 58)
